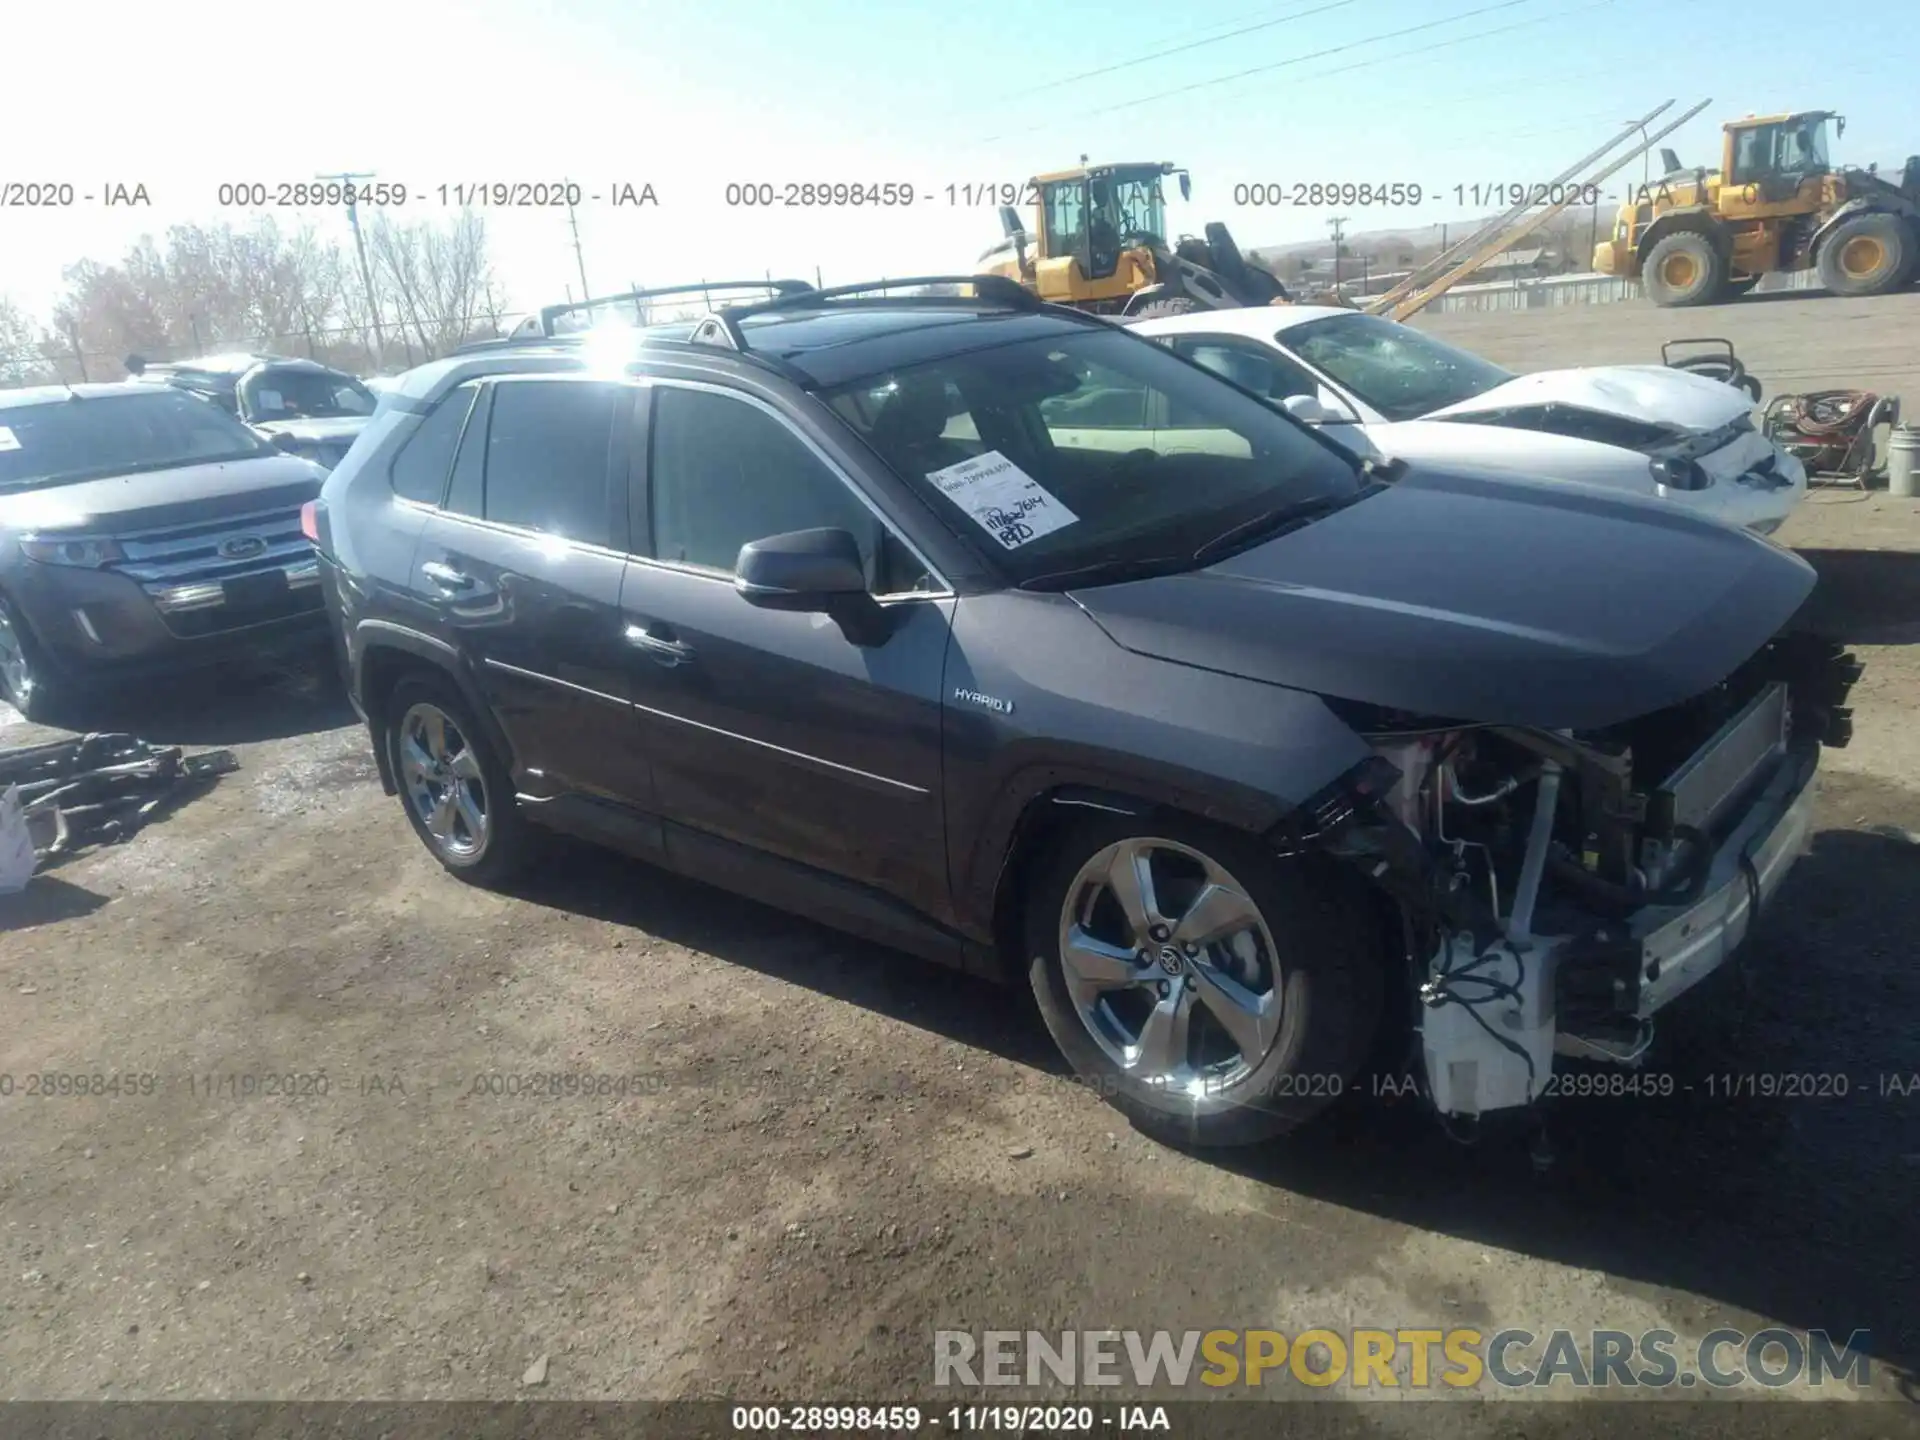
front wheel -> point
(26, 679)
(1867, 255)
(1216, 994)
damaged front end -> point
(1561, 887)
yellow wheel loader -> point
(1777, 202)
(1100, 243)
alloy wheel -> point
(444, 783)
(15, 672)
(1171, 966)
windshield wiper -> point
(1275, 522)
(1109, 572)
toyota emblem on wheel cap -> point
(242, 547)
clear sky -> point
(689, 95)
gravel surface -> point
(819, 1151)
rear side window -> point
(548, 457)
(419, 471)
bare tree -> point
(206, 288)
(438, 276)
(23, 349)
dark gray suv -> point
(993, 632)
(142, 532)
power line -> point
(1189, 45)
(1302, 59)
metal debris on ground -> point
(1831, 432)
(97, 789)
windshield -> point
(83, 439)
(1132, 207)
(1396, 369)
(304, 395)
(1097, 448)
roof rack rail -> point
(780, 288)
(726, 320)
(985, 287)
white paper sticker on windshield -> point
(1002, 499)
(7, 439)
(270, 400)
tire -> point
(1683, 269)
(1173, 305)
(26, 679)
(479, 834)
(1867, 255)
(1309, 1031)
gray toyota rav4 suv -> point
(991, 631)
(142, 532)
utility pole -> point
(1337, 224)
(579, 256)
(347, 177)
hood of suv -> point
(164, 497)
(1641, 393)
(1477, 599)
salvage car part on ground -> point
(1053, 656)
(1832, 432)
(101, 788)
(1717, 364)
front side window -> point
(548, 457)
(1253, 367)
(1045, 491)
(74, 439)
(1399, 371)
(723, 473)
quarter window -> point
(419, 471)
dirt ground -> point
(825, 1151)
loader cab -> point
(1771, 160)
(1095, 217)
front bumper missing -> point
(1680, 945)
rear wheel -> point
(1682, 269)
(1867, 255)
(456, 791)
(1212, 992)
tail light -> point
(310, 520)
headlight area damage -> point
(1559, 888)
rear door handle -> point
(661, 647)
(446, 578)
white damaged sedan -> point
(1386, 390)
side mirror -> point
(282, 441)
(814, 571)
(1186, 186)
(1311, 410)
(1010, 221)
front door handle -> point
(661, 647)
(446, 578)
